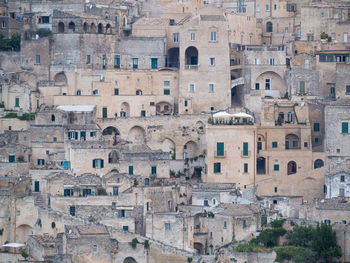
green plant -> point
(146, 244)
(27, 116)
(11, 44)
(173, 153)
(1, 231)
(278, 223)
(38, 222)
(43, 32)
(210, 121)
(296, 254)
(101, 191)
(134, 243)
(24, 254)
(269, 237)
(172, 173)
(10, 115)
(286, 95)
(301, 236)
(2, 104)
(324, 35)
(136, 183)
(189, 259)
(20, 159)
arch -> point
(22, 233)
(292, 142)
(93, 28)
(191, 56)
(71, 26)
(173, 57)
(60, 27)
(60, 79)
(270, 80)
(113, 157)
(190, 150)
(53, 118)
(163, 108)
(129, 260)
(137, 135)
(199, 247)
(85, 27)
(318, 163)
(269, 27)
(168, 145)
(138, 92)
(110, 130)
(124, 110)
(108, 29)
(100, 28)
(78, 92)
(291, 168)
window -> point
(269, 27)
(272, 61)
(275, 7)
(104, 112)
(16, 102)
(316, 127)
(166, 91)
(342, 178)
(154, 63)
(217, 168)
(257, 86)
(93, 134)
(267, 7)
(95, 92)
(78, 92)
(37, 59)
(225, 224)
(267, 84)
(3, 24)
(154, 170)
(24, 138)
(257, 61)
(72, 210)
(316, 139)
(176, 37)
(191, 89)
(186, 103)
(54, 139)
(117, 61)
(258, 8)
(245, 149)
(212, 62)
(104, 61)
(11, 158)
(276, 167)
(301, 87)
(345, 37)
(126, 228)
(307, 63)
(166, 84)
(344, 127)
(167, 226)
(116, 91)
(299, 32)
(206, 203)
(274, 144)
(213, 36)
(333, 36)
(88, 59)
(121, 213)
(245, 168)
(275, 189)
(131, 170)
(193, 36)
(211, 88)
(68, 192)
(97, 163)
(41, 162)
(94, 249)
(220, 149)
(135, 63)
(347, 89)
(322, 15)
(336, 16)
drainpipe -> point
(255, 141)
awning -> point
(222, 114)
(242, 115)
(15, 245)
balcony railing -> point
(191, 67)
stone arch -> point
(191, 149)
(113, 157)
(60, 27)
(93, 28)
(137, 135)
(168, 145)
(22, 233)
(86, 27)
(269, 27)
(60, 79)
(100, 28)
(129, 260)
(268, 81)
(124, 109)
(71, 26)
(292, 141)
(163, 108)
(113, 133)
(78, 92)
(53, 118)
(108, 29)
(199, 247)
(318, 163)
(191, 56)
(173, 57)
(291, 168)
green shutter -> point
(11, 158)
(17, 102)
(131, 170)
(245, 168)
(345, 127)
(220, 149)
(245, 149)
(93, 164)
(154, 169)
(316, 127)
(275, 189)
(274, 144)
(102, 165)
(125, 228)
(276, 167)
(302, 86)
(217, 167)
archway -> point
(318, 163)
(60, 27)
(60, 79)
(85, 27)
(93, 28)
(292, 142)
(199, 247)
(100, 28)
(190, 150)
(269, 27)
(292, 168)
(112, 132)
(173, 57)
(169, 146)
(261, 165)
(113, 157)
(71, 27)
(163, 108)
(137, 135)
(22, 233)
(129, 260)
(108, 29)
(124, 109)
(270, 80)
(191, 56)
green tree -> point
(301, 236)
(15, 42)
(269, 237)
(324, 243)
(24, 254)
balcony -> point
(221, 155)
(191, 67)
(247, 155)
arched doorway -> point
(292, 142)
(60, 79)
(113, 157)
(129, 260)
(169, 146)
(23, 232)
(108, 29)
(124, 109)
(191, 56)
(60, 27)
(199, 247)
(113, 132)
(137, 135)
(190, 150)
(292, 167)
(261, 165)
(71, 27)
(272, 84)
(85, 27)
(173, 57)
(318, 163)
(269, 27)
(100, 28)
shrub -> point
(27, 116)
(43, 32)
(101, 191)
(13, 43)
(20, 159)
(53, 225)
(136, 183)
(296, 254)
(134, 243)
(2, 104)
(277, 223)
(301, 236)
(24, 254)
(146, 244)
(11, 115)
(269, 237)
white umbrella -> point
(222, 114)
(15, 245)
(242, 115)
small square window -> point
(342, 178)
(338, 150)
(166, 83)
(167, 226)
(24, 138)
(316, 139)
(191, 88)
(274, 144)
(211, 88)
(212, 62)
(116, 91)
(276, 167)
(166, 91)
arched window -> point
(269, 27)
(78, 92)
(85, 27)
(292, 168)
(108, 29)
(71, 26)
(138, 92)
(100, 28)
(318, 163)
(53, 118)
(60, 27)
